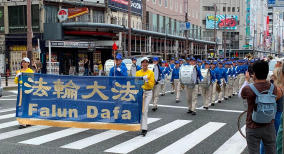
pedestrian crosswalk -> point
(116, 141)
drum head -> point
(194, 74)
(156, 72)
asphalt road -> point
(171, 130)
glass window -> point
(180, 8)
(154, 1)
(176, 7)
(18, 18)
(2, 26)
(229, 9)
(171, 5)
(233, 9)
(196, 14)
(98, 16)
(224, 9)
(51, 14)
(238, 9)
(193, 13)
(166, 3)
(189, 12)
(160, 2)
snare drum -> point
(188, 75)
(207, 78)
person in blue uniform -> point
(221, 72)
(241, 70)
(134, 61)
(180, 62)
(214, 82)
(164, 70)
(118, 69)
(199, 63)
(171, 67)
(203, 64)
(207, 91)
(187, 61)
(236, 81)
(175, 80)
(227, 87)
(192, 91)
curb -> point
(10, 88)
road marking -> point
(7, 110)
(86, 142)
(9, 96)
(236, 144)
(53, 136)
(165, 92)
(201, 108)
(8, 99)
(9, 124)
(14, 91)
(186, 143)
(7, 116)
(139, 141)
(22, 131)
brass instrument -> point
(248, 56)
(218, 88)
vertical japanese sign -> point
(82, 102)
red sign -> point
(75, 12)
(62, 14)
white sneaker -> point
(216, 101)
(222, 99)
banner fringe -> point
(89, 125)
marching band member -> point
(118, 69)
(191, 92)
(221, 72)
(165, 71)
(242, 71)
(232, 77)
(149, 81)
(171, 67)
(199, 65)
(214, 82)
(250, 64)
(134, 61)
(175, 80)
(203, 64)
(187, 61)
(236, 81)
(227, 87)
(25, 69)
(181, 62)
(207, 91)
(157, 86)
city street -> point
(170, 130)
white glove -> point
(229, 75)
(19, 74)
(234, 76)
(145, 78)
(202, 80)
(118, 69)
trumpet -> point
(248, 56)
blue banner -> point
(84, 102)
(122, 5)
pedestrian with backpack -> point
(261, 98)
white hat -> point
(26, 59)
(144, 58)
(278, 59)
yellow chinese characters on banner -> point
(19, 48)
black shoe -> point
(144, 132)
(177, 101)
(163, 94)
(230, 96)
(22, 126)
(219, 101)
(172, 92)
(189, 111)
(155, 109)
(212, 104)
(199, 94)
(193, 113)
(205, 108)
(233, 94)
(226, 98)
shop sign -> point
(122, 5)
(19, 48)
(63, 14)
(67, 44)
(75, 12)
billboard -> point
(122, 5)
(275, 3)
(231, 22)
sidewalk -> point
(11, 84)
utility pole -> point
(29, 31)
(186, 41)
(215, 37)
(129, 28)
(225, 33)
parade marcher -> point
(229, 74)
(157, 86)
(181, 62)
(232, 77)
(221, 72)
(199, 66)
(171, 67)
(191, 92)
(207, 91)
(118, 69)
(236, 81)
(134, 61)
(203, 64)
(214, 84)
(241, 70)
(175, 80)
(187, 61)
(165, 71)
(149, 81)
(25, 69)
(250, 65)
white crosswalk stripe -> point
(186, 143)
(53, 136)
(8, 124)
(236, 144)
(21, 131)
(7, 110)
(6, 116)
(99, 137)
(139, 141)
